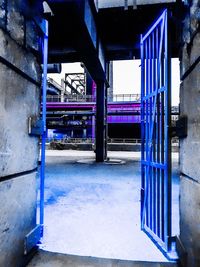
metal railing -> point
(53, 83)
(124, 98)
(92, 140)
(175, 140)
(90, 98)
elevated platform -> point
(112, 107)
(118, 112)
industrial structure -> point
(35, 34)
(72, 111)
(74, 115)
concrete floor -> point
(94, 209)
(52, 259)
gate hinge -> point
(35, 126)
(32, 238)
(180, 129)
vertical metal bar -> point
(44, 90)
(154, 136)
(158, 134)
(151, 122)
(142, 126)
(146, 131)
(162, 141)
(167, 137)
(161, 126)
(164, 58)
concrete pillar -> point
(101, 121)
(190, 146)
(106, 123)
(20, 78)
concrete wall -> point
(190, 146)
(20, 76)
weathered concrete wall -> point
(19, 100)
(190, 146)
(20, 77)
(17, 217)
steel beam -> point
(129, 3)
(73, 29)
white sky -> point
(66, 68)
(126, 77)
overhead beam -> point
(129, 3)
(74, 26)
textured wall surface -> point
(190, 146)
(20, 77)
(18, 152)
(18, 216)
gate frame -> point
(43, 137)
(39, 129)
(149, 203)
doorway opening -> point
(94, 233)
(94, 209)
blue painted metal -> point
(44, 91)
(32, 239)
(155, 123)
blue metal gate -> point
(155, 123)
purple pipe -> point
(112, 107)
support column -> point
(101, 121)
(110, 80)
(106, 123)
